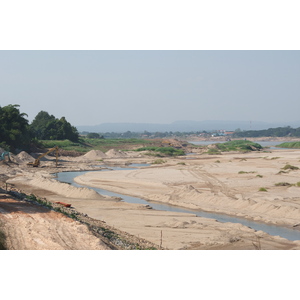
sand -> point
(212, 183)
(216, 184)
(29, 227)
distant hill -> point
(184, 126)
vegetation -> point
(239, 145)
(295, 145)
(94, 135)
(290, 167)
(14, 128)
(213, 151)
(47, 127)
(260, 176)
(2, 241)
(283, 184)
(85, 144)
(272, 132)
(262, 189)
(243, 172)
(165, 151)
(158, 161)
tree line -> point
(17, 133)
(271, 132)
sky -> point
(162, 86)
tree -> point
(94, 135)
(47, 127)
(14, 128)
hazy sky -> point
(94, 87)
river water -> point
(290, 234)
(271, 144)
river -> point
(290, 234)
(270, 144)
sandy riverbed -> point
(212, 183)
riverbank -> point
(207, 182)
(227, 183)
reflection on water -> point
(290, 234)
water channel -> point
(290, 234)
(270, 144)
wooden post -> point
(160, 246)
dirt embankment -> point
(32, 227)
(25, 225)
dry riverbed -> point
(228, 183)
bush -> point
(158, 161)
(262, 189)
(290, 167)
(295, 145)
(283, 184)
(213, 152)
(167, 151)
(239, 145)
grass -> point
(213, 152)
(85, 144)
(158, 161)
(260, 176)
(289, 167)
(298, 184)
(162, 151)
(283, 184)
(243, 172)
(295, 145)
(282, 172)
(239, 145)
(262, 189)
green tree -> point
(47, 127)
(14, 128)
(94, 135)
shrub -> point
(290, 167)
(239, 145)
(158, 161)
(260, 176)
(283, 184)
(167, 151)
(213, 151)
(262, 189)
